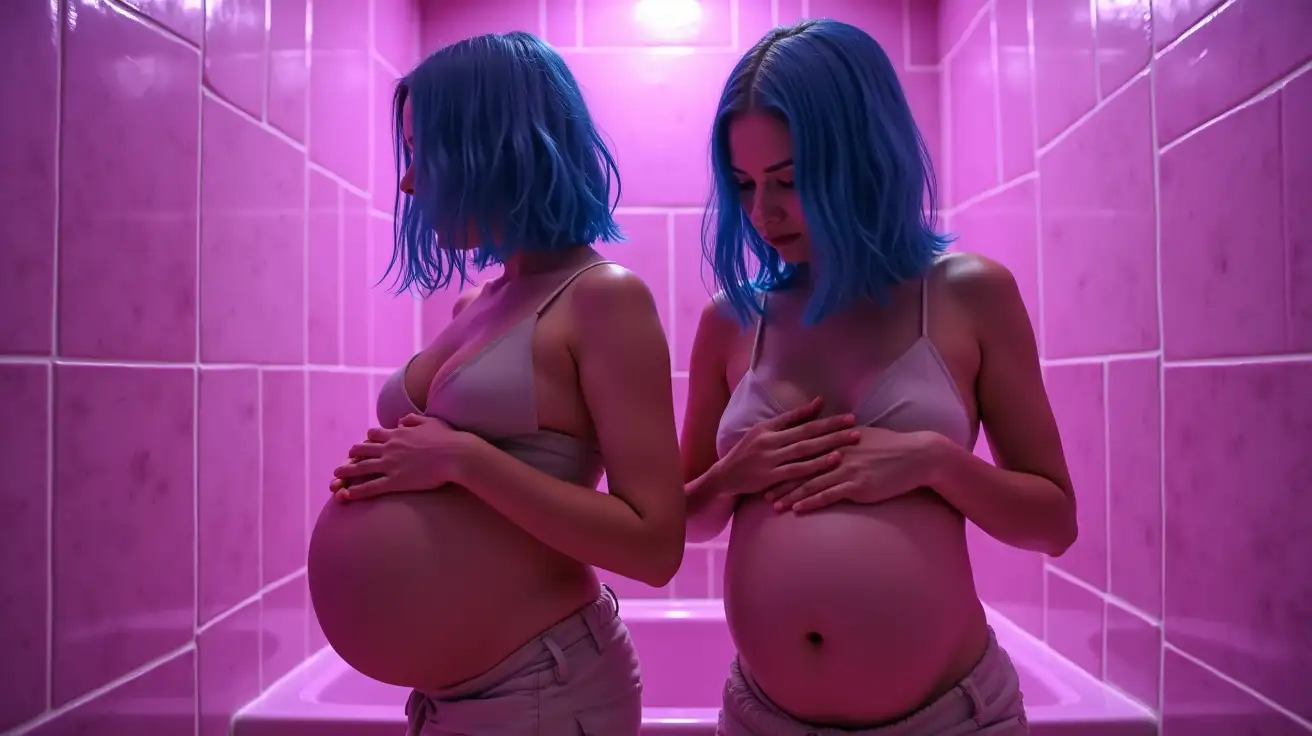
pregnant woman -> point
(458, 557)
(834, 399)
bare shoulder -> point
(465, 299)
(981, 287)
(608, 292)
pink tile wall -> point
(654, 95)
(1142, 168)
(191, 225)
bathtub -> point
(325, 697)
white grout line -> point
(997, 89)
(60, 22)
(1105, 372)
(1261, 95)
(1250, 692)
(735, 12)
(987, 194)
(259, 518)
(543, 22)
(1161, 372)
(195, 380)
(578, 22)
(984, 10)
(906, 34)
(774, 13)
(305, 323)
(268, 60)
(1089, 114)
(1103, 595)
(1093, 36)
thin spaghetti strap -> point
(924, 307)
(565, 284)
(760, 327)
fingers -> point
(412, 420)
(371, 466)
(793, 416)
(812, 429)
(785, 501)
(805, 468)
(816, 446)
(378, 434)
(827, 497)
(368, 489)
(364, 451)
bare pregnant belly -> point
(855, 614)
(426, 590)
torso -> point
(426, 590)
(857, 614)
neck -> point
(531, 263)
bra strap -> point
(760, 328)
(565, 284)
(924, 306)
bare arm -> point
(637, 530)
(1026, 501)
(709, 510)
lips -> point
(783, 240)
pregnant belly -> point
(426, 590)
(855, 614)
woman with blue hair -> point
(459, 561)
(836, 390)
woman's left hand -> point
(421, 454)
(883, 465)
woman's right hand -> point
(789, 447)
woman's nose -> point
(407, 183)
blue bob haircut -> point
(506, 159)
(863, 172)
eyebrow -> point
(771, 168)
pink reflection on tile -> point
(647, 254)
(235, 61)
(183, 17)
(383, 186)
(1134, 654)
(128, 190)
(955, 17)
(634, 92)
(1173, 17)
(693, 579)
(608, 23)
(693, 286)
(396, 32)
(283, 612)
(1223, 260)
(885, 21)
(324, 269)
(29, 36)
(1296, 165)
(1075, 623)
(24, 391)
(289, 71)
(123, 482)
(229, 489)
(1064, 85)
(1237, 522)
(1098, 233)
(1198, 703)
(393, 314)
(921, 87)
(252, 236)
(355, 280)
(1015, 88)
(283, 540)
(1215, 68)
(1076, 392)
(448, 22)
(1004, 227)
(229, 653)
(1134, 482)
(161, 700)
(1123, 29)
(922, 34)
(339, 89)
